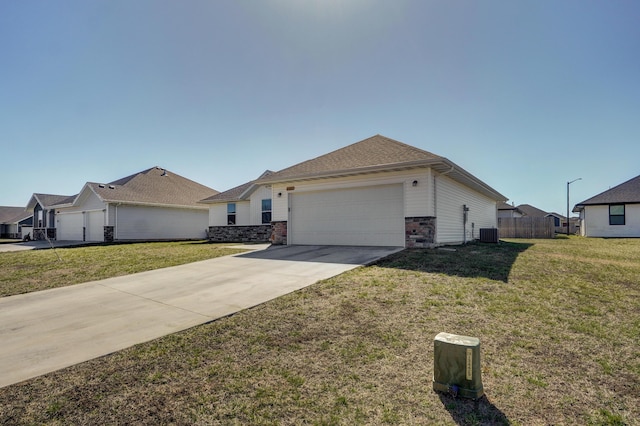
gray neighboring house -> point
(151, 205)
(509, 210)
(42, 206)
(15, 222)
(531, 211)
(614, 213)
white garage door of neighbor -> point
(370, 216)
(95, 226)
(69, 227)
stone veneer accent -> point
(108, 234)
(279, 233)
(239, 234)
(39, 233)
(420, 231)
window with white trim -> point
(266, 210)
(616, 214)
(231, 213)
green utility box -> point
(456, 365)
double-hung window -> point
(266, 210)
(231, 213)
(616, 214)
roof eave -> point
(149, 204)
(448, 167)
(346, 172)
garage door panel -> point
(95, 226)
(360, 216)
(69, 227)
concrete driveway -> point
(47, 330)
(39, 245)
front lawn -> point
(33, 270)
(558, 321)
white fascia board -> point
(174, 206)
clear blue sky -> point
(525, 95)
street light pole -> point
(569, 183)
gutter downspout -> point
(115, 225)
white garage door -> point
(371, 216)
(69, 227)
(95, 226)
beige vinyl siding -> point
(243, 212)
(262, 193)
(418, 199)
(280, 203)
(451, 196)
(218, 214)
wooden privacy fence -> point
(526, 227)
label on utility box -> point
(469, 364)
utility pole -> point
(569, 183)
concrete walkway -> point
(48, 330)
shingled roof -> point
(237, 193)
(47, 201)
(154, 186)
(9, 214)
(627, 192)
(374, 154)
(532, 211)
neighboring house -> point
(509, 210)
(612, 213)
(531, 211)
(15, 222)
(154, 204)
(44, 214)
(241, 214)
(376, 192)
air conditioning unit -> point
(456, 365)
(489, 235)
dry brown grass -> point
(559, 338)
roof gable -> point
(627, 192)
(378, 154)
(46, 201)
(153, 186)
(375, 152)
(238, 193)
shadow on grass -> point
(493, 261)
(470, 412)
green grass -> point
(33, 270)
(558, 322)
